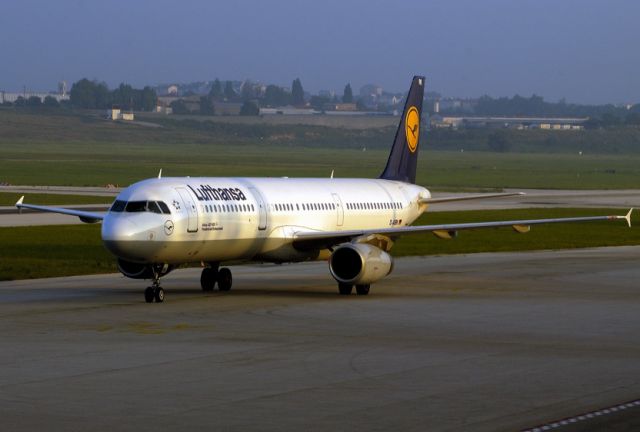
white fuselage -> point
(215, 219)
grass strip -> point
(49, 251)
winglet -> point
(331, 174)
(160, 173)
(628, 217)
(19, 204)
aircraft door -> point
(192, 210)
(339, 209)
(262, 211)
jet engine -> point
(141, 271)
(359, 264)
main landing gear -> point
(212, 275)
(155, 291)
(345, 289)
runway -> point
(483, 342)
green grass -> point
(47, 251)
(80, 150)
(10, 198)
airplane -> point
(157, 224)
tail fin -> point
(403, 158)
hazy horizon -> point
(583, 51)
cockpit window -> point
(152, 206)
(164, 207)
(136, 206)
(118, 206)
(158, 207)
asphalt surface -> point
(484, 342)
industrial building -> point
(549, 123)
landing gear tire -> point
(363, 289)
(148, 295)
(208, 278)
(225, 280)
(345, 289)
(155, 292)
(158, 294)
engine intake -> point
(140, 271)
(359, 264)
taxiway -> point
(481, 342)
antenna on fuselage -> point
(160, 173)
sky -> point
(584, 51)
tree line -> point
(96, 95)
(253, 96)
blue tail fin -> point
(403, 158)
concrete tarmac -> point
(484, 342)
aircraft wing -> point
(468, 197)
(84, 216)
(327, 239)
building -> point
(287, 110)
(555, 123)
(339, 107)
(371, 90)
(172, 90)
(457, 105)
(115, 113)
(10, 97)
(163, 107)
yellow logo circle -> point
(412, 128)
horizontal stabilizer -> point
(469, 197)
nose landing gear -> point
(155, 291)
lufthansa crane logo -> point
(412, 128)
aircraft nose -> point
(123, 238)
(118, 229)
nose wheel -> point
(155, 291)
(152, 294)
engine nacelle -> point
(141, 271)
(359, 264)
